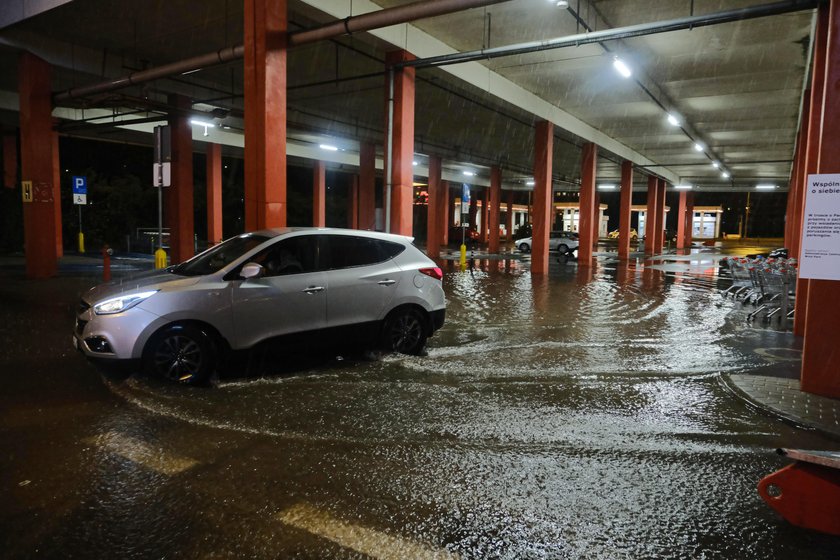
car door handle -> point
(314, 289)
(387, 282)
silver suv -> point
(563, 241)
(181, 320)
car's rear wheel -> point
(525, 248)
(405, 332)
(181, 353)
(563, 248)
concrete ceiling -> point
(737, 86)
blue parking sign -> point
(79, 185)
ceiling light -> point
(469, 173)
(561, 3)
(767, 187)
(606, 187)
(205, 124)
(698, 146)
(725, 175)
(530, 183)
(682, 187)
(673, 119)
(715, 164)
(622, 68)
(328, 147)
(414, 163)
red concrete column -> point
(797, 176)
(596, 218)
(266, 26)
(353, 203)
(820, 352)
(367, 186)
(660, 217)
(10, 161)
(689, 218)
(681, 221)
(509, 215)
(541, 216)
(37, 161)
(402, 172)
(485, 212)
(812, 153)
(586, 227)
(56, 182)
(494, 208)
(625, 209)
(650, 214)
(319, 194)
(473, 209)
(179, 196)
(434, 218)
(214, 193)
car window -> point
(295, 255)
(219, 256)
(346, 251)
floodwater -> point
(575, 415)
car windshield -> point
(220, 256)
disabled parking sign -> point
(79, 190)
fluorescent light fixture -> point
(205, 124)
(622, 68)
(715, 164)
(673, 119)
(469, 173)
(606, 187)
(698, 146)
(530, 183)
(725, 175)
(767, 187)
(328, 147)
(561, 3)
(414, 163)
(683, 187)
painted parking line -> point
(142, 453)
(369, 542)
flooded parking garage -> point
(580, 414)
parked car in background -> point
(562, 241)
(633, 234)
(457, 233)
(179, 321)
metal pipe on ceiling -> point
(639, 30)
(354, 24)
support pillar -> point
(319, 194)
(660, 217)
(56, 182)
(367, 186)
(494, 208)
(402, 171)
(434, 208)
(266, 26)
(214, 193)
(625, 209)
(689, 219)
(353, 203)
(681, 220)
(586, 226)
(541, 216)
(37, 166)
(444, 213)
(820, 352)
(179, 196)
(650, 215)
(473, 210)
(485, 212)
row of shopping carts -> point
(769, 285)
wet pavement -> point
(583, 414)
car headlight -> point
(121, 303)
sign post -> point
(161, 177)
(465, 209)
(819, 258)
(80, 199)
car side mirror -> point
(251, 270)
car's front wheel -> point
(525, 248)
(405, 332)
(181, 353)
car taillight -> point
(435, 272)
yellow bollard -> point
(463, 258)
(81, 242)
(160, 258)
